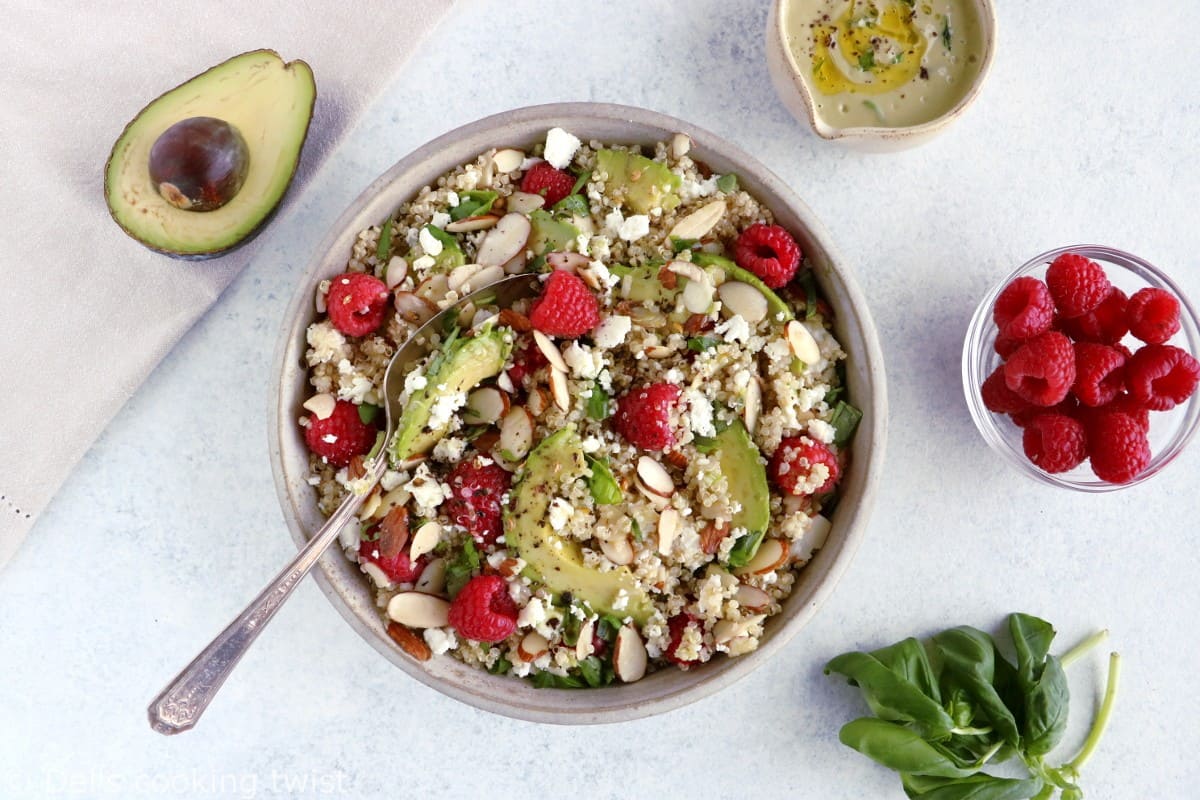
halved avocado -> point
(268, 102)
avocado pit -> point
(199, 163)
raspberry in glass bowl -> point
(1080, 368)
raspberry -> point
(528, 358)
(998, 397)
(1023, 309)
(1161, 376)
(769, 252)
(552, 184)
(1153, 315)
(341, 436)
(476, 492)
(1076, 284)
(644, 416)
(399, 568)
(1118, 448)
(1069, 406)
(1005, 346)
(1099, 373)
(676, 626)
(799, 462)
(483, 611)
(1123, 404)
(1055, 442)
(1043, 369)
(357, 303)
(566, 307)
(1105, 323)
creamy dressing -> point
(884, 63)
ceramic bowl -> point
(797, 95)
(347, 588)
(1170, 431)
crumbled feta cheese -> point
(611, 331)
(533, 614)
(821, 430)
(326, 344)
(582, 360)
(329, 438)
(700, 409)
(391, 479)
(440, 219)
(430, 243)
(440, 640)
(560, 148)
(443, 408)
(560, 513)
(591, 444)
(735, 328)
(452, 199)
(613, 221)
(634, 228)
(423, 263)
(621, 601)
(426, 491)
(449, 449)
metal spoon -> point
(181, 703)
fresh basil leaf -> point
(501, 667)
(728, 183)
(845, 419)
(472, 203)
(899, 748)
(679, 245)
(701, 343)
(580, 182)
(597, 402)
(603, 486)
(608, 627)
(592, 671)
(460, 570)
(548, 680)
(570, 629)
(908, 659)
(575, 204)
(384, 247)
(1031, 639)
(866, 59)
(447, 239)
(969, 661)
(367, 413)
(809, 284)
(891, 696)
(635, 528)
(974, 787)
(745, 548)
(1046, 704)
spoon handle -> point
(181, 703)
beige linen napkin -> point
(80, 299)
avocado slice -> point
(641, 283)
(642, 183)
(461, 366)
(557, 562)
(738, 458)
(550, 234)
(268, 102)
(735, 273)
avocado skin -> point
(735, 273)
(112, 188)
(557, 460)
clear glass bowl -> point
(1170, 431)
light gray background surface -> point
(1086, 131)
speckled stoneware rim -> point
(347, 588)
(791, 86)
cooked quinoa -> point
(717, 581)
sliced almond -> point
(655, 477)
(505, 241)
(321, 405)
(515, 320)
(538, 401)
(525, 203)
(584, 646)
(460, 275)
(629, 655)
(804, 346)
(516, 433)
(414, 309)
(724, 631)
(505, 383)
(434, 288)
(516, 264)
(396, 497)
(507, 160)
(590, 277)
(697, 224)
(771, 553)
(712, 535)
(550, 351)
(395, 272)
(532, 646)
(319, 299)
(619, 550)
(370, 505)
(698, 296)
(419, 610)
(649, 318)
(668, 529)
(658, 351)
(393, 532)
(753, 405)
(433, 578)
(752, 598)
(686, 269)
(485, 277)
(566, 261)
(559, 390)
(409, 642)
(681, 143)
(478, 222)
(485, 406)
(743, 300)
(425, 539)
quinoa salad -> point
(621, 474)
